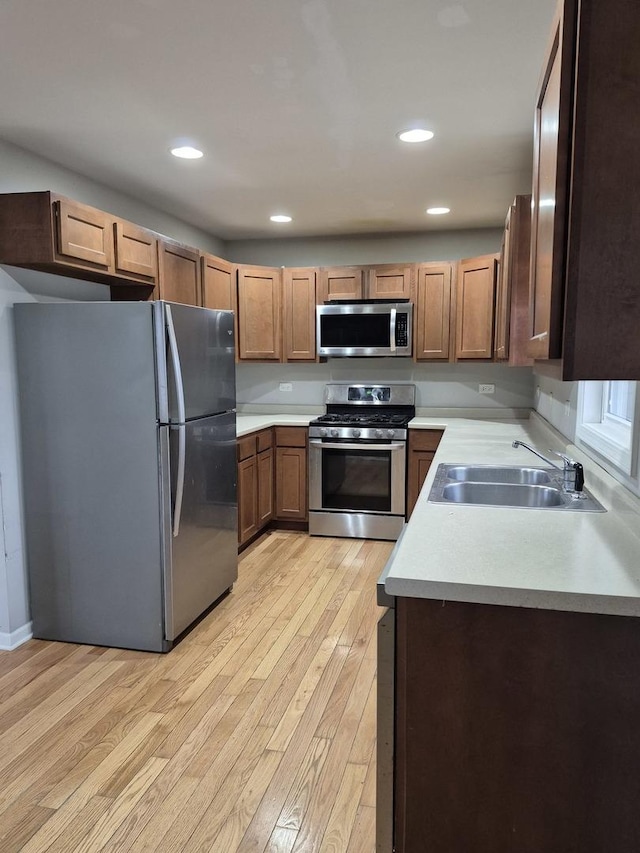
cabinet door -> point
(390, 282)
(475, 307)
(433, 312)
(550, 161)
(291, 483)
(179, 273)
(218, 283)
(299, 290)
(340, 283)
(247, 499)
(422, 447)
(136, 251)
(259, 308)
(265, 487)
(512, 299)
(503, 294)
(83, 234)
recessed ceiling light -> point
(187, 152)
(437, 211)
(280, 217)
(416, 134)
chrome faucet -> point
(572, 471)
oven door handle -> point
(328, 445)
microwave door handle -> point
(392, 334)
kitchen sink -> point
(498, 474)
(507, 486)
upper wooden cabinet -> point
(179, 273)
(259, 313)
(390, 281)
(585, 251)
(432, 312)
(340, 283)
(475, 307)
(512, 298)
(218, 283)
(299, 314)
(46, 231)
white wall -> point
(369, 249)
(450, 386)
(558, 402)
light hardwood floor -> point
(256, 733)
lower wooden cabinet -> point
(423, 444)
(255, 483)
(516, 729)
(291, 474)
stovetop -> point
(365, 413)
(364, 419)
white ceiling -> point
(296, 104)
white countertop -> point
(558, 560)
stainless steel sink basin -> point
(502, 494)
(507, 486)
(498, 474)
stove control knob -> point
(379, 433)
(356, 433)
(389, 433)
(335, 433)
(323, 432)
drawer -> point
(424, 439)
(291, 436)
(265, 439)
(247, 446)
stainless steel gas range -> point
(358, 461)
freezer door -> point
(201, 528)
(205, 351)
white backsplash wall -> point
(557, 402)
(437, 386)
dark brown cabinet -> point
(515, 729)
(432, 312)
(475, 307)
(423, 444)
(255, 484)
(46, 231)
(512, 299)
(585, 291)
(291, 474)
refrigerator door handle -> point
(177, 509)
(177, 380)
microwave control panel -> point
(402, 339)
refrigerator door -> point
(203, 342)
(200, 530)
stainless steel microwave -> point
(364, 328)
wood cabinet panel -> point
(340, 283)
(432, 314)
(421, 450)
(291, 483)
(390, 281)
(299, 325)
(136, 251)
(247, 446)
(247, 499)
(475, 307)
(516, 729)
(179, 273)
(291, 436)
(265, 487)
(218, 283)
(259, 313)
(83, 234)
(512, 297)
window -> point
(607, 421)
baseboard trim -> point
(11, 641)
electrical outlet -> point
(286, 386)
(486, 389)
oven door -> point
(361, 477)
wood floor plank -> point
(254, 735)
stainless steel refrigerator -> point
(129, 464)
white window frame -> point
(611, 437)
